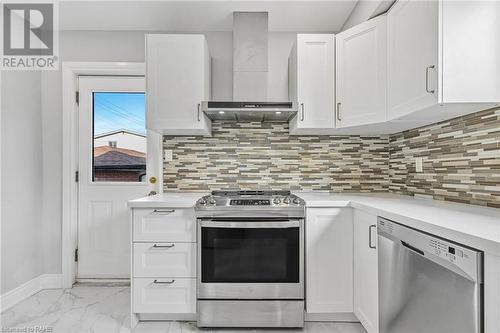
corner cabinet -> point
(329, 264)
(177, 81)
(366, 270)
(361, 74)
(311, 83)
(442, 60)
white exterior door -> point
(361, 56)
(113, 149)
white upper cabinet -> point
(311, 83)
(412, 56)
(442, 58)
(361, 74)
(177, 81)
(329, 261)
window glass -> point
(119, 145)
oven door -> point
(250, 258)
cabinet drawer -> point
(164, 224)
(164, 295)
(165, 259)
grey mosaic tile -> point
(264, 156)
(461, 160)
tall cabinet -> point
(361, 74)
(311, 83)
(177, 81)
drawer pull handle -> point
(156, 246)
(163, 282)
(163, 211)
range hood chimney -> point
(250, 76)
(250, 56)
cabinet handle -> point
(163, 211)
(338, 111)
(156, 246)
(370, 237)
(427, 79)
(163, 282)
(302, 111)
(198, 114)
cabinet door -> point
(177, 78)
(314, 84)
(366, 270)
(329, 260)
(361, 74)
(412, 56)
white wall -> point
(366, 9)
(127, 46)
(21, 178)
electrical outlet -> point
(168, 155)
(419, 167)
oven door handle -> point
(249, 225)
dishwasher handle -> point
(413, 248)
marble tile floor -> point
(106, 310)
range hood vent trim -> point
(250, 111)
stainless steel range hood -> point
(250, 76)
(249, 111)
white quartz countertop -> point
(475, 226)
(164, 200)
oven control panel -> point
(249, 202)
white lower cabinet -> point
(164, 295)
(366, 270)
(164, 224)
(329, 261)
(163, 274)
(165, 259)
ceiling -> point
(197, 16)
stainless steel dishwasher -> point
(427, 284)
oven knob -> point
(286, 200)
(211, 201)
(296, 201)
(276, 201)
(202, 201)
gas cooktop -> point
(250, 199)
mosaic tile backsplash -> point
(461, 160)
(264, 156)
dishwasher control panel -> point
(433, 247)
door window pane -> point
(119, 145)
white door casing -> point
(103, 217)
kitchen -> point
(315, 165)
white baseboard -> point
(27, 289)
(343, 316)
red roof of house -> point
(105, 156)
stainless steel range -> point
(250, 259)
